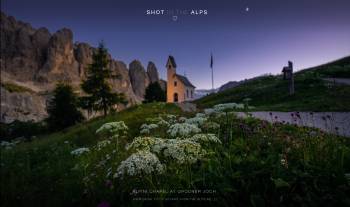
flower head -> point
(183, 129)
(205, 138)
(80, 151)
(140, 163)
(113, 127)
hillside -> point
(229, 161)
(313, 93)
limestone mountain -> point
(34, 60)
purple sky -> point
(244, 43)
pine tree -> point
(154, 93)
(62, 108)
(100, 95)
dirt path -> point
(332, 122)
(338, 80)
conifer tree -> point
(100, 95)
(63, 108)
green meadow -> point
(160, 156)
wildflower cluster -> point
(144, 143)
(171, 118)
(181, 150)
(146, 128)
(113, 128)
(198, 120)
(183, 129)
(205, 138)
(80, 151)
(139, 163)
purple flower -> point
(103, 204)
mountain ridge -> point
(35, 59)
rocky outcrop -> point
(35, 59)
(24, 106)
(60, 62)
(139, 78)
(162, 84)
(83, 54)
(152, 72)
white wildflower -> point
(182, 129)
(140, 163)
(199, 121)
(171, 118)
(205, 138)
(183, 151)
(209, 111)
(162, 122)
(113, 127)
(200, 115)
(146, 128)
(80, 151)
(102, 144)
(143, 143)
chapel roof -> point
(185, 81)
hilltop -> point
(314, 91)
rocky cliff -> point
(35, 60)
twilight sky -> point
(247, 37)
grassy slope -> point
(41, 169)
(312, 94)
(40, 173)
